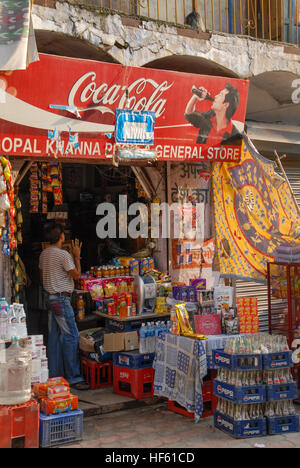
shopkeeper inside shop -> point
(58, 270)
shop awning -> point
(270, 137)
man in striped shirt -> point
(58, 271)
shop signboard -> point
(66, 108)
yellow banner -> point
(254, 214)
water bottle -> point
(12, 323)
(143, 339)
(3, 319)
(15, 374)
(152, 339)
(148, 338)
(21, 321)
(157, 332)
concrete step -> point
(104, 401)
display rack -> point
(284, 299)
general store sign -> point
(66, 108)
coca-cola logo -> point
(143, 94)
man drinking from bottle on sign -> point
(215, 126)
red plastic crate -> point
(20, 421)
(97, 374)
(134, 383)
(209, 402)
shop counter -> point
(180, 365)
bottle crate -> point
(210, 402)
(279, 360)
(237, 362)
(134, 383)
(133, 360)
(282, 424)
(240, 429)
(61, 429)
(97, 374)
(20, 421)
(240, 395)
(282, 391)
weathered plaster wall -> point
(149, 41)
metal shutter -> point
(252, 289)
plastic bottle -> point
(80, 308)
(12, 323)
(4, 322)
(15, 374)
(143, 339)
(152, 338)
(158, 330)
(21, 320)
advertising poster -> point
(65, 107)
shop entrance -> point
(83, 187)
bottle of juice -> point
(80, 308)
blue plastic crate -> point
(61, 429)
(240, 395)
(237, 361)
(281, 391)
(278, 360)
(117, 325)
(133, 360)
(283, 424)
(240, 429)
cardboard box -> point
(87, 345)
(127, 341)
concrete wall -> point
(134, 42)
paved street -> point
(157, 427)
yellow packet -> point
(183, 319)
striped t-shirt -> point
(55, 264)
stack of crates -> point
(274, 364)
(236, 401)
(257, 397)
(133, 374)
(20, 422)
(60, 419)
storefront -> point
(59, 119)
(52, 112)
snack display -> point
(248, 314)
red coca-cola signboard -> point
(63, 107)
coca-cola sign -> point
(196, 117)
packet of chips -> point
(183, 321)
